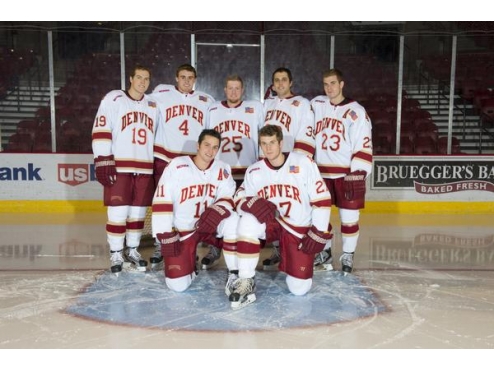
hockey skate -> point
(210, 259)
(134, 261)
(271, 263)
(156, 259)
(117, 261)
(323, 261)
(243, 293)
(346, 260)
(230, 282)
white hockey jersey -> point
(184, 192)
(239, 128)
(295, 117)
(126, 128)
(184, 116)
(343, 135)
(297, 189)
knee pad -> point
(179, 284)
(349, 216)
(298, 286)
(137, 213)
(249, 227)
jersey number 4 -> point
(184, 127)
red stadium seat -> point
(19, 143)
(427, 129)
(442, 145)
(487, 107)
(406, 145)
(425, 145)
(27, 127)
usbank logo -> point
(74, 174)
(28, 173)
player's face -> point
(185, 81)
(139, 83)
(234, 92)
(333, 89)
(271, 148)
(207, 149)
(282, 85)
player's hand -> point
(354, 185)
(211, 218)
(106, 172)
(170, 244)
(261, 208)
(314, 241)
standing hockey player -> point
(344, 156)
(194, 202)
(283, 198)
(238, 122)
(122, 140)
(293, 114)
(184, 112)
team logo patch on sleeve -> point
(294, 169)
(223, 174)
(296, 103)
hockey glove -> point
(314, 241)
(260, 208)
(170, 244)
(211, 218)
(106, 173)
(354, 185)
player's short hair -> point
(281, 70)
(234, 78)
(186, 67)
(271, 130)
(208, 132)
(140, 67)
(333, 72)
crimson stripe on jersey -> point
(163, 207)
(364, 156)
(135, 164)
(299, 229)
(333, 170)
(304, 147)
(323, 203)
(167, 154)
(102, 135)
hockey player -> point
(194, 202)
(283, 198)
(122, 141)
(238, 122)
(344, 156)
(293, 114)
(184, 112)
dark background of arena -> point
(402, 72)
